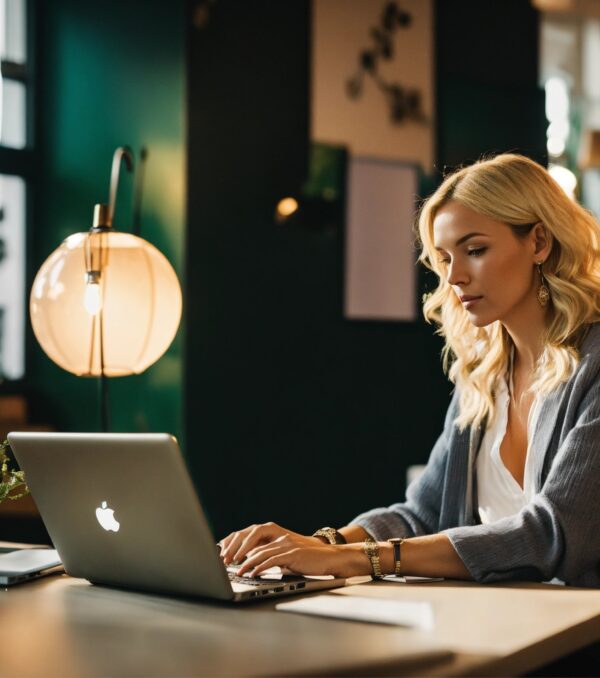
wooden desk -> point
(64, 626)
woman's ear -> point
(542, 242)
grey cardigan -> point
(558, 533)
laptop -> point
(22, 562)
(122, 511)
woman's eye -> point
(477, 251)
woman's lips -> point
(468, 301)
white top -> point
(499, 494)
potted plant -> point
(12, 482)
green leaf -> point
(10, 479)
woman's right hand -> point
(237, 545)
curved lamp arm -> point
(121, 153)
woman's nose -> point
(456, 273)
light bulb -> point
(108, 295)
(285, 208)
(92, 298)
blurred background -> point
(288, 145)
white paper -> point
(408, 579)
(359, 608)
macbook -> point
(121, 510)
(19, 563)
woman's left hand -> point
(347, 560)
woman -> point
(512, 486)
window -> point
(15, 173)
(570, 73)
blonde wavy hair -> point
(518, 192)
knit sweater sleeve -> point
(419, 513)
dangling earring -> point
(543, 293)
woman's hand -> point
(236, 546)
(295, 554)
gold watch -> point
(396, 542)
(331, 534)
(371, 548)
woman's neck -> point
(528, 338)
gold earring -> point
(543, 293)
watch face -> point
(328, 533)
(371, 548)
(331, 534)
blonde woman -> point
(511, 487)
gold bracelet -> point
(371, 548)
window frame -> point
(22, 162)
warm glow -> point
(557, 100)
(565, 178)
(286, 207)
(92, 299)
(557, 112)
(135, 301)
(556, 147)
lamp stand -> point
(103, 221)
(104, 404)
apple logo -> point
(106, 518)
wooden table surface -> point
(60, 626)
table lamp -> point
(106, 303)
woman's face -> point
(490, 269)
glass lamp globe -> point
(105, 303)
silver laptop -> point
(22, 562)
(121, 510)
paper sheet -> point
(357, 608)
(408, 579)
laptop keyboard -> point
(295, 582)
(245, 580)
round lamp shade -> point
(105, 303)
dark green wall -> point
(293, 413)
(488, 99)
(322, 415)
(109, 73)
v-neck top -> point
(499, 495)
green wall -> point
(109, 73)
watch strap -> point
(396, 543)
(371, 548)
